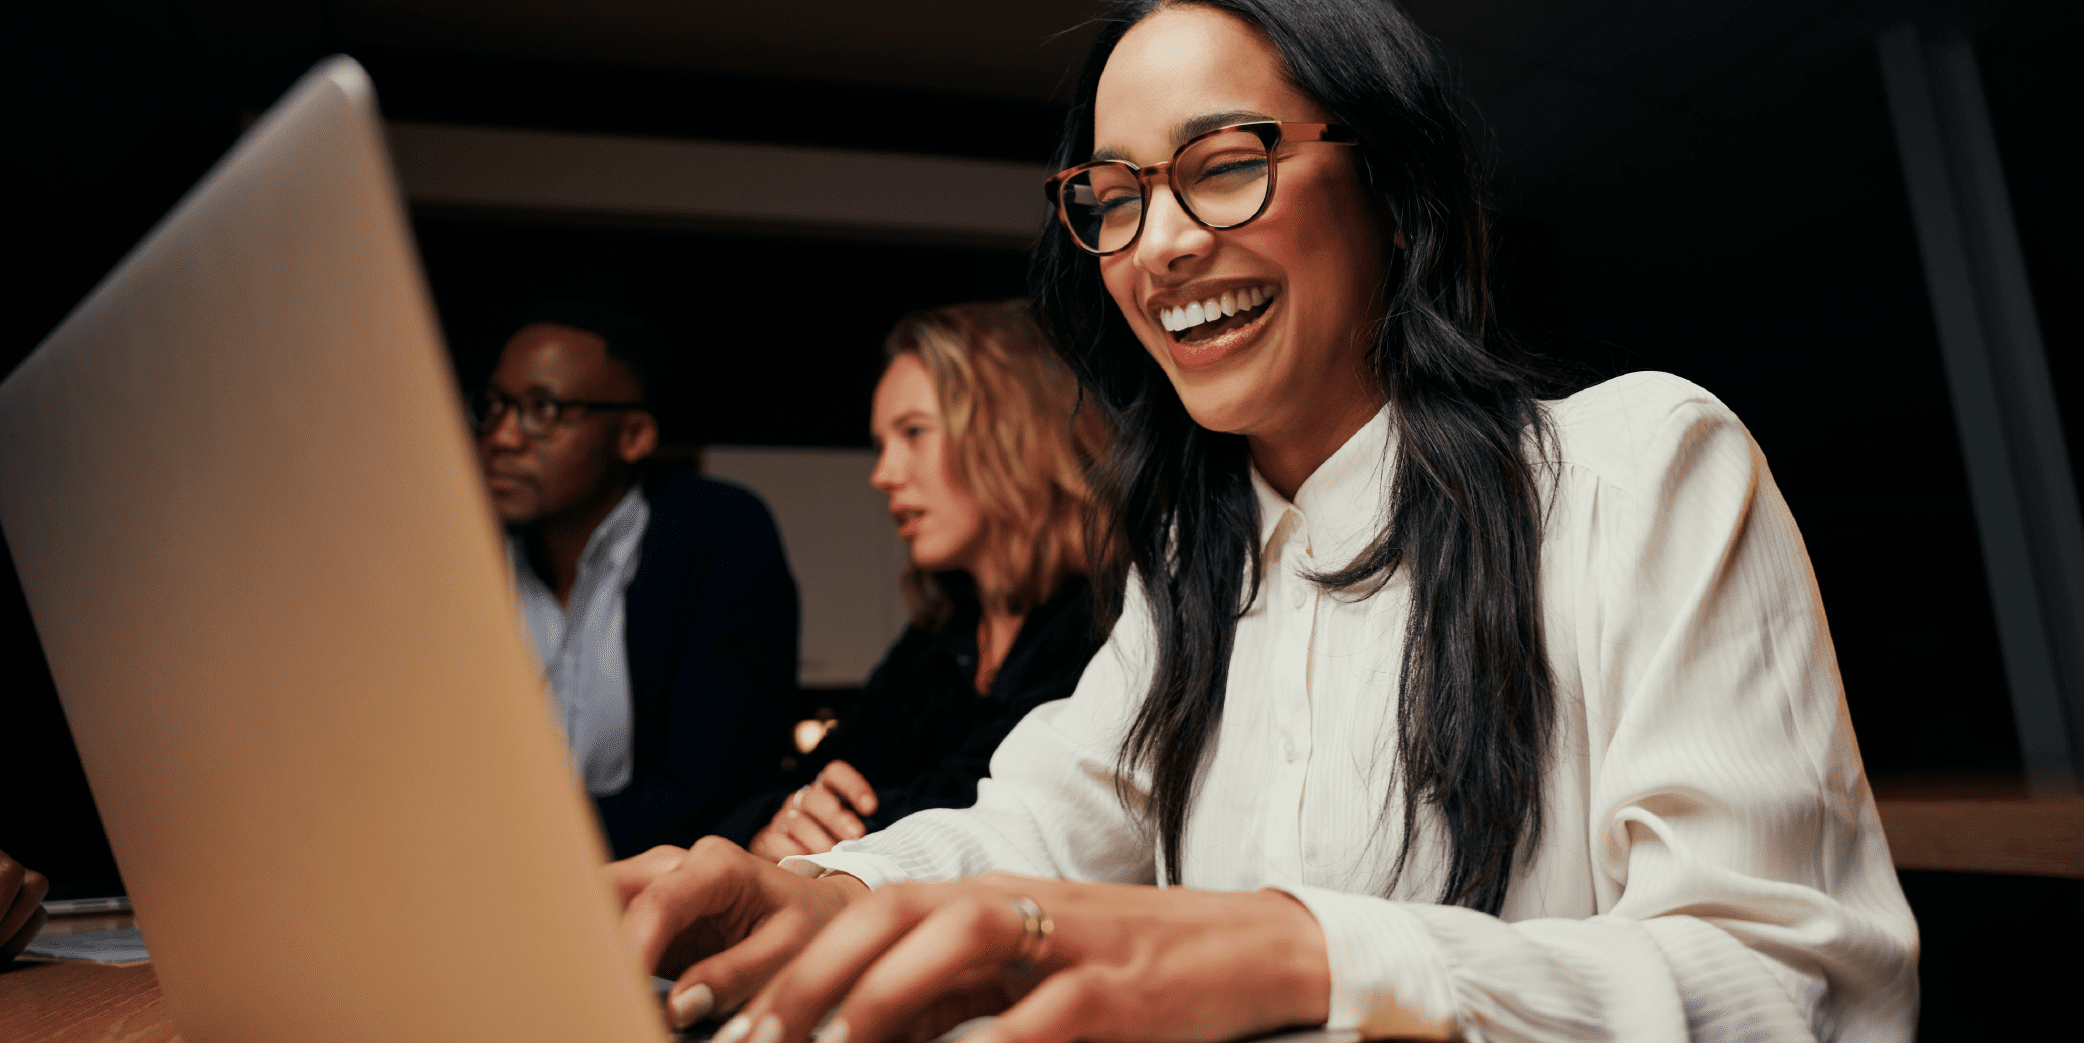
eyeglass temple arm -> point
(1336, 133)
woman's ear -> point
(639, 436)
(1398, 239)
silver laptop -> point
(240, 492)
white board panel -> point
(842, 548)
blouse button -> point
(1297, 596)
(1288, 750)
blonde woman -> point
(983, 458)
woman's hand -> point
(21, 909)
(720, 920)
(1121, 963)
(819, 815)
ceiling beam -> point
(534, 175)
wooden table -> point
(73, 1001)
(1982, 824)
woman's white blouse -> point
(1712, 865)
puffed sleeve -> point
(1054, 804)
(1742, 886)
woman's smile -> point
(1208, 331)
(1201, 320)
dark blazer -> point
(920, 733)
(711, 627)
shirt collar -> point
(614, 541)
(1340, 506)
(613, 545)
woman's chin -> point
(931, 562)
(1224, 406)
(942, 551)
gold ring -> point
(1036, 928)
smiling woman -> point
(1297, 382)
(1440, 710)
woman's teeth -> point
(1215, 309)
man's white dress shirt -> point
(581, 647)
(1712, 864)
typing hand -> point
(1117, 964)
(21, 910)
(720, 920)
(819, 815)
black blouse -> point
(920, 733)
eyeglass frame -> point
(1271, 133)
(495, 412)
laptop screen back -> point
(240, 491)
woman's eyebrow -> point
(1194, 127)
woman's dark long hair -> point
(1476, 696)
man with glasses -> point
(666, 626)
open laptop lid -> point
(240, 492)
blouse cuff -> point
(1385, 967)
(873, 870)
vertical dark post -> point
(1997, 372)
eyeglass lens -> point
(538, 415)
(1222, 179)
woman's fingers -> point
(727, 979)
(715, 881)
(774, 843)
(722, 920)
(14, 878)
(633, 874)
(823, 973)
(22, 917)
(805, 830)
(12, 947)
(817, 816)
(801, 907)
(841, 778)
(823, 806)
(1068, 1005)
(953, 964)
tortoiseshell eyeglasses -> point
(1223, 179)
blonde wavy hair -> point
(1016, 438)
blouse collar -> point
(1340, 507)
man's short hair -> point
(631, 340)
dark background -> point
(1710, 189)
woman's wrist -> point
(849, 887)
(1302, 956)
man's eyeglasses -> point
(537, 414)
(1222, 179)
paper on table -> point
(126, 945)
(82, 906)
